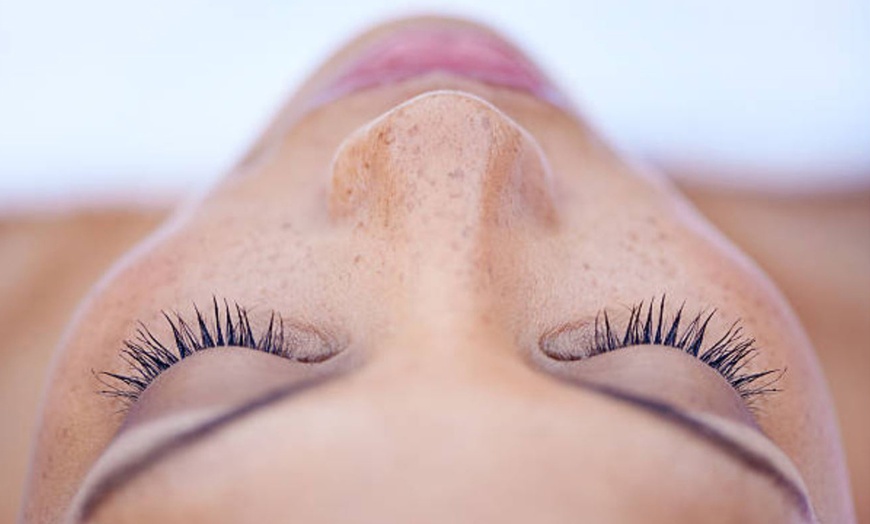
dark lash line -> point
(147, 357)
(729, 355)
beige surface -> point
(817, 249)
(46, 265)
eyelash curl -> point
(730, 355)
(147, 357)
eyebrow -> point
(751, 459)
(116, 479)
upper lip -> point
(417, 49)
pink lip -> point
(466, 53)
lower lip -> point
(464, 53)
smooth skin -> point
(435, 229)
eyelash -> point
(147, 357)
(730, 355)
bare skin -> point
(433, 231)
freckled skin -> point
(440, 226)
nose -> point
(441, 160)
(445, 184)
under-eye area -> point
(656, 323)
(146, 356)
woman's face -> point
(436, 296)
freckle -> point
(456, 173)
(586, 266)
(357, 260)
(367, 165)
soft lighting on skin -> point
(437, 228)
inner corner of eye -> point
(573, 341)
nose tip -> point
(441, 156)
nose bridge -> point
(424, 362)
(436, 182)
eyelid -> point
(665, 375)
(220, 378)
(650, 324)
(147, 357)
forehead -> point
(508, 456)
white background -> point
(107, 97)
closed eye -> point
(146, 356)
(649, 324)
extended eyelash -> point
(147, 357)
(730, 355)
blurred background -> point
(109, 111)
(100, 98)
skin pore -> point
(432, 231)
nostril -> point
(441, 156)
